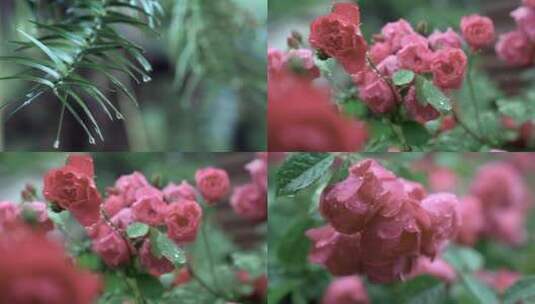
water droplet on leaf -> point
(146, 78)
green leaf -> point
(428, 93)
(421, 290)
(45, 49)
(292, 249)
(522, 291)
(481, 292)
(415, 133)
(403, 77)
(300, 170)
(463, 258)
(163, 246)
(137, 229)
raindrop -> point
(30, 95)
(146, 78)
(56, 144)
(92, 140)
(119, 116)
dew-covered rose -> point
(379, 51)
(394, 32)
(149, 206)
(301, 117)
(448, 66)
(35, 269)
(416, 110)
(415, 57)
(183, 220)
(389, 66)
(154, 265)
(109, 244)
(249, 202)
(447, 39)
(213, 183)
(127, 186)
(339, 253)
(338, 35)
(515, 49)
(175, 193)
(72, 187)
(478, 31)
(346, 290)
(378, 96)
(113, 204)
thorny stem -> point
(384, 78)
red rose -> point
(302, 118)
(183, 220)
(213, 183)
(448, 67)
(477, 30)
(34, 269)
(338, 35)
(149, 206)
(72, 187)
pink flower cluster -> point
(504, 198)
(399, 47)
(380, 224)
(11, 215)
(300, 61)
(346, 290)
(250, 200)
(517, 47)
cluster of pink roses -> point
(380, 225)
(517, 47)
(250, 200)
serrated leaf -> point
(300, 170)
(163, 246)
(428, 93)
(292, 249)
(522, 291)
(403, 77)
(137, 229)
(415, 133)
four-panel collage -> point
(267, 152)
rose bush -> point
(143, 242)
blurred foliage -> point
(294, 280)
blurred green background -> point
(208, 88)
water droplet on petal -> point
(56, 144)
(146, 78)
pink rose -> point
(303, 60)
(445, 214)
(417, 111)
(338, 35)
(415, 57)
(36, 269)
(379, 51)
(9, 214)
(393, 32)
(378, 96)
(258, 171)
(478, 31)
(473, 221)
(39, 209)
(442, 179)
(346, 290)
(389, 66)
(127, 186)
(437, 268)
(448, 67)
(447, 39)
(175, 193)
(525, 18)
(183, 219)
(109, 244)
(149, 206)
(154, 266)
(414, 39)
(249, 202)
(414, 190)
(499, 280)
(339, 253)
(113, 204)
(72, 187)
(123, 218)
(515, 49)
(213, 183)
(275, 61)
